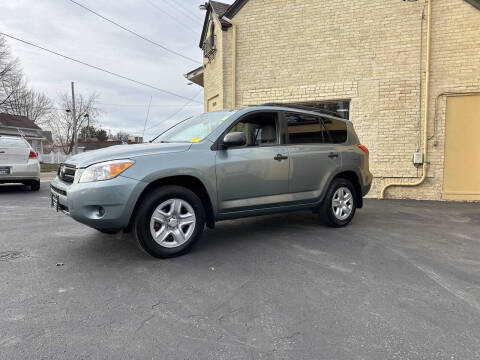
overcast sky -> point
(63, 26)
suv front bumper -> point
(102, 204)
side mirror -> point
(234, 139)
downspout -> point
(234, 61)
(426, 111)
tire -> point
(341, 192)
(167, 213)
(35, 185)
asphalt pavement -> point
(401, 282)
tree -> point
(87, 132)
(15, 96)
(10, 74)
(61, 122)
(101, 134)
(122, 136)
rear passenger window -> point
(337, 130)
(14, 143)
(305, 129)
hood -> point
(124, 152)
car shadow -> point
(271, 230)
(13, 188)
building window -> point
(340, 108)
(209, 44)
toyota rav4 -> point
(221, 165)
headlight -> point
(105, 170)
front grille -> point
(66, 172)
(58, 191)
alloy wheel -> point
(342, 203)
(172, 223)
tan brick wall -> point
(213, 79)
(367, 51)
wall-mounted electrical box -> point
(418, 158)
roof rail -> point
(304, 107)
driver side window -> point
(259, 129)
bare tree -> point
(30, 103)
(10, 74)
(61, 122)
(15, 96)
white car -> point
(18, 162)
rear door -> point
(314, 154)
(13, 151)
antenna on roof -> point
(21, 133)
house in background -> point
(15, 125)
(367, 60)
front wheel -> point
(339, 205)
(169, 221)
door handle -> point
(280, 157)
(333, 155)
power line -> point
(98, 68)
(171, 16)
(134, 33)
(183, 10)
(176, 112)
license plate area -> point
(4, 170)
(54, 202)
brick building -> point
(367, 60)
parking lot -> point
(402, 282)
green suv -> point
(217, 166)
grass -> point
(49, 167)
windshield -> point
(195, 129)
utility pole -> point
(146, 119)
(74, 114)
(87, 133)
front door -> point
(255, 175)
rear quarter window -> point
(337, 129)
(15, 143)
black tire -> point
(34, 185)
(327, 213)
(149, 203)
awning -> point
(195, 76)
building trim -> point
(474, 3)
(235, 8)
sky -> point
(64, 27)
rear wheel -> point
(339, 206)
(34, 185)
(169, 221)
